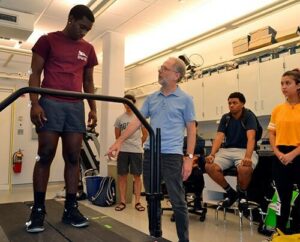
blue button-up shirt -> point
(171, 114)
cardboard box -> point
(261, 42)
(240, 45)
(287, 34)
(260, 33)
(240, 49)
(240, 41)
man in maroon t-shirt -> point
(67, 62)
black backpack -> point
(106, 194)
(246, 112)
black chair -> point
(193, 191)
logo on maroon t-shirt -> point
(82, 56)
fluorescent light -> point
(99, 6)
(17, 44)
(155, 56)
(75, 2)
(93, 4)
(201, 37)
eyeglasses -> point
(164, 69)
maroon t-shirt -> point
(65, 61)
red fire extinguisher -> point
(17, 161)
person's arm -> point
(289, 157)
(88, 87)
(113, 151)
(117, 132)
(272, 138)
(250, 147)
(37, 114)
(215, 147)
(144, 134)
(191, 137)
(191, 140)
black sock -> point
(242, 193)
(70, 200)
(39, 199)
(230, 191)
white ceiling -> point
(129, 17)
(135, 19)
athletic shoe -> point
(35, 224)
(243, 205)
(229, 200)
(74, 217)
(197, 205)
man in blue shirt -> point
(171, 110)
(237, 129)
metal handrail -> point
(154, 195)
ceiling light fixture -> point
(18, 44)
(162, 53)
(199, 38)
(99, 6)
(75, 2)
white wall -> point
(218, 48)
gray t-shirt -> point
(133, 143)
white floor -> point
(211, 230)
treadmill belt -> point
(102, 228)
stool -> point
(251, 206)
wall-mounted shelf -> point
(274, 50)
(259, 55)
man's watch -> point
(191, 156)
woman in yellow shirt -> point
(284, 134)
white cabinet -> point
(210, 94)
(291, 62)
(270, 94)
(194, 88)
(216, 89)
(248, 85)
(258, 81)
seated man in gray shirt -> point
(237, 129)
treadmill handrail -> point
(154, 190)
(53, 92)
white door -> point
(5, 147)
